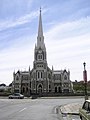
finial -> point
(29, 68)
(52, 67)
(14, 72)
(40, 9)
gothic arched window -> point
(38, 75)
(49, 76)
(17, 78)
(65, 77)
(40, 56)
(41, 75)
(55, 89)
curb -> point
(70, 113)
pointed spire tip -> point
(40, 9)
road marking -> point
(22, 109)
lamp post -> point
(85, 80)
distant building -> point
(3, 87)
(41, 79)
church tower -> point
(41, 80)
(40, 49)
(39, 83)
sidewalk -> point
(70, 111)
(72, 108)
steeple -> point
(40, 29)
(40, 37)
(40, 49)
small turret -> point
(29, 69)
(52, 67)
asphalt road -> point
(28, 109)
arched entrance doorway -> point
(40, 88)
(56, 90)
(59, 89)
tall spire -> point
(40, 38)
(40, 29)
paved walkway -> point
(70, 111)
(72, 108)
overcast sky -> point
(66, 26)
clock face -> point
(40, 51)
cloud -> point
(70, 29)
(17, 57)
(67, 42)
(68, 46)
(64, 11)
(14, 8)
(19, 21)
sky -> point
(66, 29)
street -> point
(36, 109)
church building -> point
(41, 79)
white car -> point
(16, 96)
(84, 112)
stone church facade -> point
(41, 79)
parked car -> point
(34, 97)
(16, 96)
(84, 112)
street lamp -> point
(85, 80)
(84, 65)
